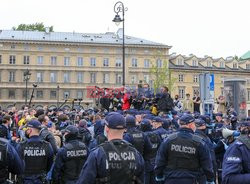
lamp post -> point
(119, 8)
(26, 75)
(58, 88)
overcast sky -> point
(217, 28)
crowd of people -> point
(143, 138)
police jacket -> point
(69, 161)
(46, 135)
(9, 160)
(183, 155)
(115, 161)
(163, 133)
(37, 155)
(136, 138)
(236, 163)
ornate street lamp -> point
(119, 8)
(26, 75)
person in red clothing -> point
(125, 100)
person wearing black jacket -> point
(4, 127)
(45, 134)
(164, 101)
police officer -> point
(45, 134)
(133, 135)
(157, 125)
(70, 158)
(9, 161)
(201, 131)
(152, 143)
(37, 154)
(236, 167)
(183, 157)
(115, 161)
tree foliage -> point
(39, 26)
(162, 75)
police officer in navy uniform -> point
(10, 161)
(152, 143)
(133, 135)
(201, 131)
(236, 163)
(70, 158)
(157, 125)
(37, 155)
(183, 157)
(115, 161)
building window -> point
(66, 94)
(134, 62)
(146, 78)
(80, 77)
(39, 77)
(146, 63)
(79, 94)
(209, 63)
(53, 77)
(159, 63)
(12, 46)
(92, 61)
(39, 60)
(52, 94)
(66, 61)
(194, 62)
(118, 78)
(66, 77)
(105, 62)
(118, 63)
(181, 78)
(79, 61)
(0, 59)
(105, 78)
(24, 93)
(180, 61)
(181, 92)
(235, 65)
(12, 59)
(196, 91)
(247, 66)
(92, 77)
(222, 64)
(196, 78)
(53, 60)
(12, 94)
(26, 60)
(11, 76)
(133, 79)
(106, 50)
(39, 94)
(248, 94)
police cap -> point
(187, 118)
(115, 120)
(199, 122)
(71, 129)
(34, 124)
(157, 119)
(130, 120)
(174, 112)
(219, 114)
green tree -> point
(39, 26)
(161, 74)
